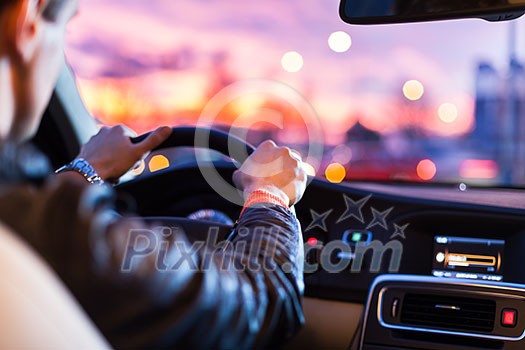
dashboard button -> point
(509, 318)
(357, 236)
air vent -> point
(450, 313)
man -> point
(69, 218)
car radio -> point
(470, 258)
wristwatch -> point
(85, 169)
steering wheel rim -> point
(229, 145)
(219, 141)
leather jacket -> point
(245, 293)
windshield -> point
(436, 102)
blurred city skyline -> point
(145, 63)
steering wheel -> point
(219, 141)
(229, 145)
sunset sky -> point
(150, 62)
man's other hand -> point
(275, 169)
(112, 153)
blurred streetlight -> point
(292, 61)
(413, 90)
(448, 112)
(340, 41)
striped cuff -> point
(263, 196)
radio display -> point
(470, 258)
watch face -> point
(96, 180)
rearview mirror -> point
(403, 11)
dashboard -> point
(477, 234)
(358, 231)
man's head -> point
(51, 9)
(32, 36)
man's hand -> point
(275, 169)
(112, 154)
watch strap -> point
(85, 169)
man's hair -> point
(51, 10)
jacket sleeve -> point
(149, 287)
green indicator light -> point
(357, 237)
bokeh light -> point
(292, 62)
(478, 169)
(139, 169)
(426, 169)
(448, 112)
(158, 162)
(413, 90)
(342, 154)
(335, 173)
(340, 41)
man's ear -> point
(24, 34)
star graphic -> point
(399, 231)
(354, 208)
(379, 218)
(318, 220)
